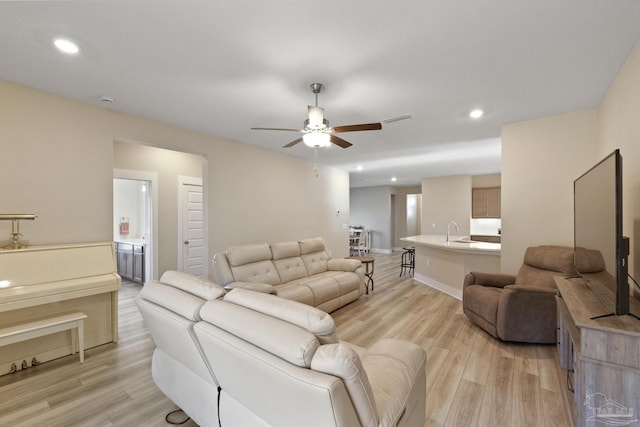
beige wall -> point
(540, 160)
(168, 166)
(446, 199)
(619, 127)
(57, 162)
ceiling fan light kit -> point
(317, 139)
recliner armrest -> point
(496, 280)
(251, 286)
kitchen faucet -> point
(454, 224)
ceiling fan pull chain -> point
(315, 161)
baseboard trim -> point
(380, 251)
(442, 287)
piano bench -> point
(21, 331)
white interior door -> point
(193, 258)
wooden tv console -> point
(599, 357)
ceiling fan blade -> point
(354, 128)
(340, 142)
(316, 116)
(397, 118)
(292, 143)
(285, 129)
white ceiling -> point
(222, 67)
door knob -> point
(186, 242)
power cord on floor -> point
(177, 417)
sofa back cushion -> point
(194, 285)
(309, 318)
(252, 263)
(589, 261)
(247, 254)
(314, 255)
(284, 250)
(261, 363)
(285, 340)
(286, 258)
(316, 262)
(315, 244)
(542, 263)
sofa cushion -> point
(257, 272)
(322, 286)
(346, 280)
(589, 261)
(197, 286)
(285, 340)
(309, 318)
(290, 268)
(285, 250)
(548, 257)
(293, 292)
(246, 254)
(253, 286)
(542, 263)
(315, 244)
(183, 303)
(315, 262)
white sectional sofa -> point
(244, 358)
(302, 271)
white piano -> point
(41, 281)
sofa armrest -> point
(396, 372)
(340, 264)
(251, 286)
(496, 280)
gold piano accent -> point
(46, 280)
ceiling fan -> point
(317, 132)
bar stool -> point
(408, 262)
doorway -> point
(192, 256)
(414, 203)
(134, 223)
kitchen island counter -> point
(443, 265)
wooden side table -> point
(368, 269)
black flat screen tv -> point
(598, 228)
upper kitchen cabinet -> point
(485, 202)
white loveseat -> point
(245, 358)
(302, 271)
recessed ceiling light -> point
(66, 46)
(394, 179)
(359, 168)
(476, 114)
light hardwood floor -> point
(472, 379)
